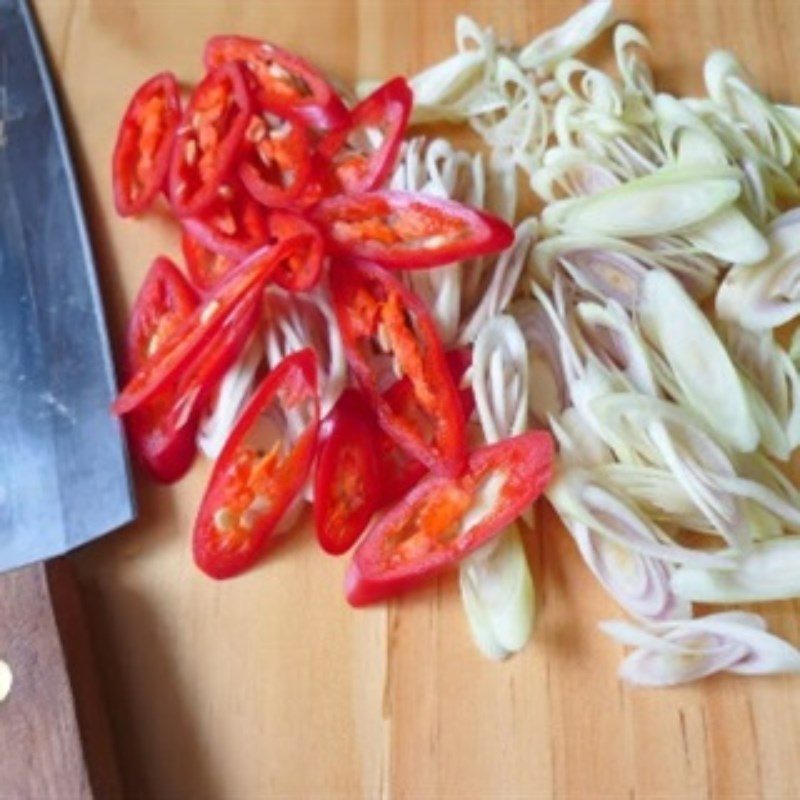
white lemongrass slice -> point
(578, 443)
(640, 584)
(656, 492)
(498, 282)
(668, 201)
(670, 653)
(233, 391)
(729, 236)
(770, 571)
(498, 596)
(496, 584)
(606, 274)
(701, 365)
(626, 351)
(293, 321)
(500, 363)
(635, 73)
(546, 384)
(570, 172)
(579, 496)
(572, 35)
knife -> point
(64, 474)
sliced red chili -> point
(209, 139)
(444, 519)
(144, 144)
(276, 163)
(400, 470)
(363, 154)
(348, 476)
(205, 267)
(233, 226)
(260, 470)
(302, 270)
(164, 302)
(168, 360)
(163, 431)
(284, 80)
(402, 230)
(386, 326)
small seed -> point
(191, 152)
(432, 242)
(397, 368)
(225, 192)
(382, 335)
(153, 344)
(224, 519)
(209, 311)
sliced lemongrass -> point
(640, 584)
(670, 653)
(668, 201)
(572, 35)
(702, 367)
(769, 571)
(498, 595)
(233, 391)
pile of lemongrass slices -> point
(635, 318)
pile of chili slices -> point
(298, 349)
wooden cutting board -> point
(269, 685)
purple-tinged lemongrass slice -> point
(671, 653)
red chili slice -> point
(284, 81)
(363, 154)
(383, 323)
(260, 470)
(164, 302)
(407, 231)
(163, 431)
(249, 276)
(302, 270)
(400, 471)
(206, 268)
(347, 481)
(233, 226)
(209, 139)
(277, 158)
(442, 520)
(144, 144)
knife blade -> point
(64, 474)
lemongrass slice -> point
(579, 496)
(575, 33)
(670, 653)
(635, 73)
(640, 584)
(496, 584)
(488, 292)
(701, 366)
(233, 391)
(294, 321)
(578, 443)
(770, 571)
(669, 200)
(546, 384)
(498, 596)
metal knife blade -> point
(64, 476)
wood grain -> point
(269, 686)
(55, 739)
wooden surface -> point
(55, 740)
(270, 686)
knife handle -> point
(55, 739)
